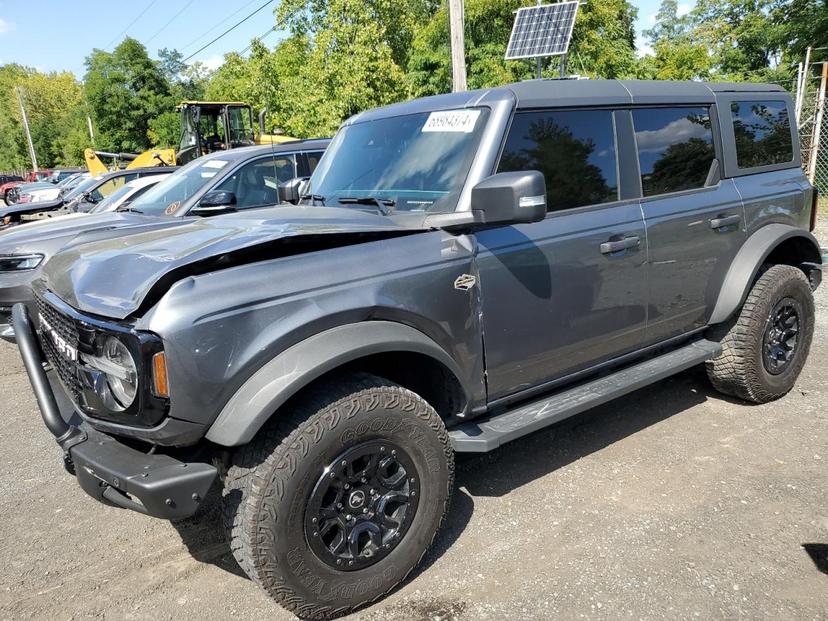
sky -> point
(57, 35)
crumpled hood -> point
(112, 277)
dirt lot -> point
(674, 503)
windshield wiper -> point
(313, 198)
(129, 209)
(383, 204)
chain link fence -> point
(814, 148)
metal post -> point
(804, 88)
(26, 128)
(798, 98)
(812, 159)
(458, 54)
(89, 125)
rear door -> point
(695, 223)
(563, 294)
(761, 155)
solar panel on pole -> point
(544, 30)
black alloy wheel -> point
(362, 505)
(781, 335)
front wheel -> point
(334, 505)
(766, 345)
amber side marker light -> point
(159, 375)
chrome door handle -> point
(608, 247)
(720, 223)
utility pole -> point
(89, 125)
(26, 128)
(458, 44)
(812, 159)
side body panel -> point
(553, 303)
(220, 328)
(689, 257)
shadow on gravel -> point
(203, 535)
(522, 461)
(819, 555)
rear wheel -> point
(766, 345)
(333, 506)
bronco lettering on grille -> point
(63, 348)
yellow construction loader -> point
(206, 127)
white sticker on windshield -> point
(207, 175)
(214, 164)
(461, 121)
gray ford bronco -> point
(460, 271)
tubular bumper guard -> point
(108, 470)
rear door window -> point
(575, 151)
(763, 133)
(675, 148)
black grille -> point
(66, 327)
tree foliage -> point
(339, 57)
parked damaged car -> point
(462, 270)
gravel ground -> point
(673, 503)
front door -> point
(568, 292)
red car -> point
(7, 182)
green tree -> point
(127, 93)
(53, 104)
(603, 45)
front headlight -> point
(17, 263)
(117, 385)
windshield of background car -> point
(168, 195)
(419, 161)
(110, 202)
(79, 189)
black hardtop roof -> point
(567, 93)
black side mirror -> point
(510, 198)
(214, 203)
(290, 191)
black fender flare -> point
(747, 262)
(293, 369)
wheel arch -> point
(386, 348)
(778, 244)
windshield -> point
(417, 162)
(111, 202)
(79, 189)
(168, 195)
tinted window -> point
(675, 148)
(763, 133)
(285, 167)
(418, 161)
(254, 184)
(575, 151)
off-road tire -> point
(267, 486)
(740, 371)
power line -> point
(171, 20)
(222, 21)
(131, 24)
(233, 27)
(260, 38)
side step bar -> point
(481, 436)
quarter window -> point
(575, 151)
(675, 148)
(763, 133)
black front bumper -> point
(106, 468)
